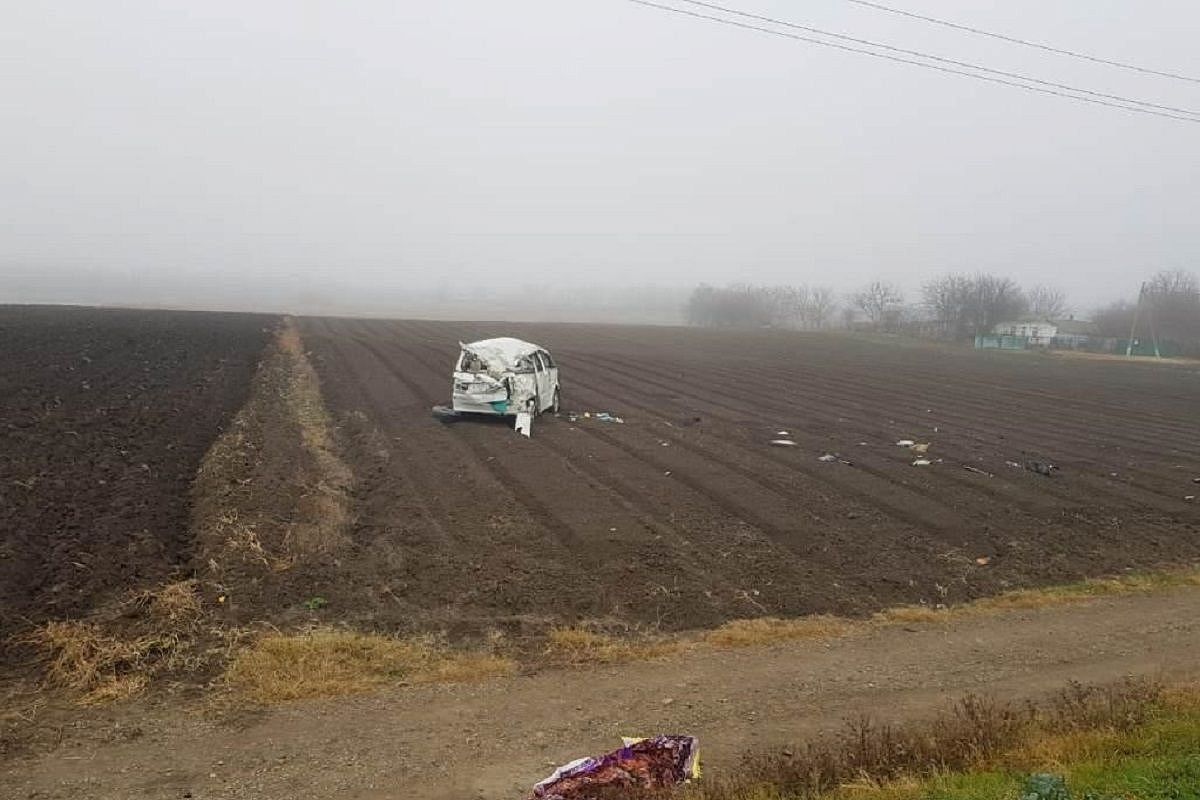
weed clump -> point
(976, 733)
(574, 646)
(149, 634)
(768, 630)
(326, 662)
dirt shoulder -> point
(493, 740)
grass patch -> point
(580, 646)
(330, 663)
(1046, 597)
(1131, 740)
(769, 630)
(115, 657)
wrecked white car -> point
(505, 377)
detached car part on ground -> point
(504, 377)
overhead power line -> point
(1137, 108)
(940, 59)
(1024, 42)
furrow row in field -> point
(1136, 491)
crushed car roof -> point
(504, 351)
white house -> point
(1046, 332)
(1039, 332)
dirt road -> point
(494, 740)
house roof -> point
(1076, 327)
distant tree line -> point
(966, 305)
(1169, 310)
(747, 306)
(954, 306)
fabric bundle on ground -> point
(656, 763)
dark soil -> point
(683, 517)
(104, 417)
(686, 517)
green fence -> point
(1001, 342)
(1145, 347)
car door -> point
(545, 388)
(551, 377)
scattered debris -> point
(1013, 464)
(1195, 480)
(905, 443)
(604, 416)
(1189, 497)
(524, 424)
(922, 462)
(783, 443)
(977, 470)
(920, 447)
(446, 414)
(782, 433)
(1041, 467)
(983, 561)
(827, 458)
(661, 762)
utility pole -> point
(1133, 328)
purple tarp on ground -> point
(656, 763)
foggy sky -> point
(276, 148)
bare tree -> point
(1173, 282)
(994, 300)
(822, 303)
(1174, 300)
(878, 300)
(949, 298)
(1047, 302)
(796, 304)
(1115, 319)
(742, 306)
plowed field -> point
(686, 516)
(104, 417)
